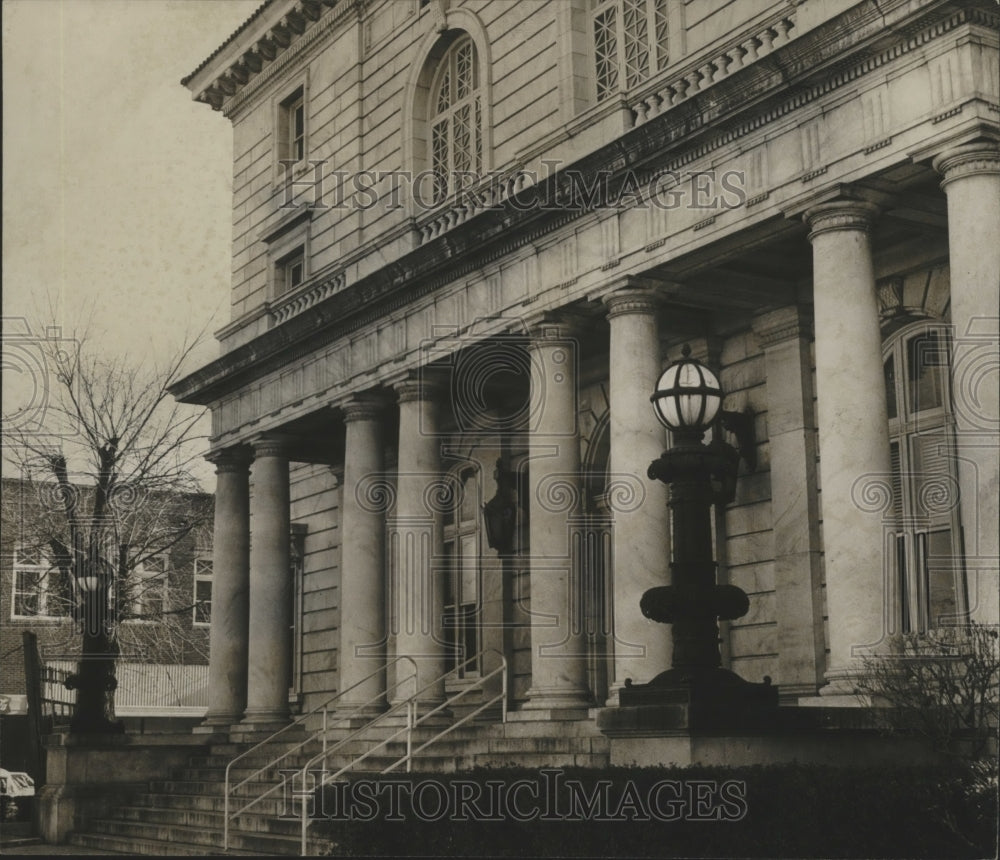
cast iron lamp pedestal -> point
(687, 401)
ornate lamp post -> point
(687, 401)
(95, 679)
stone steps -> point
(182, 814)
(150, 847)
(205, 840)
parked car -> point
(14, 786)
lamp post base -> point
(702, 699)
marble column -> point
(640, 517)
(416, 542)
(558, 649)
(229, 630)
(798, 564)
(362, 557)
(271, 587)
(971, 180)
(853, 432)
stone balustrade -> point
(469, 202)
(287, 307)
(701, 77)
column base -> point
(262, 720)
(212, 721)
(557, 698)
(840, 682)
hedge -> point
(766, 811)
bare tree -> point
(107, 458)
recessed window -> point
(202, 591)
(456, 125)
(290, 271)
(462, 618)
(929, 575)
(630, 43)
(292, 127)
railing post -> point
(324, 734)
(305, 820)
(225, 812)
(503, 690)
(410, 718)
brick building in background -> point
(166, 611)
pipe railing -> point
(324, 708)
(412, 721)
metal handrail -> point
(410, 704)
(480, 683)
(324, 707)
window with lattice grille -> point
(630, 43)
(456, 139)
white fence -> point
(147, 689)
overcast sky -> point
(116, 185)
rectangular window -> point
(292, 131)
(202, 591)
(927, 362)
(290, 271)
(630, 43)
(29, 593)
(148, 589)
(32, 583)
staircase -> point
(183, 814)
(238, 795)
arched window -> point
(463, 605)
(456, 120)
(929, 582)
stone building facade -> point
(467, 238)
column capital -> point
(235, 459)
(631, 300)
(270, 445)
(971, 159)
(425, 385)
(856, 215)
(780, 326)
(549, 328)
(362, 407)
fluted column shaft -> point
(362, 566)
(558, 652)
(229, 627)
(853, 429)
(971, 180)
(270, 652)
(417, 542)
(641, 518)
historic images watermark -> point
(549, 796)
(554, 190)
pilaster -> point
(798, 571)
